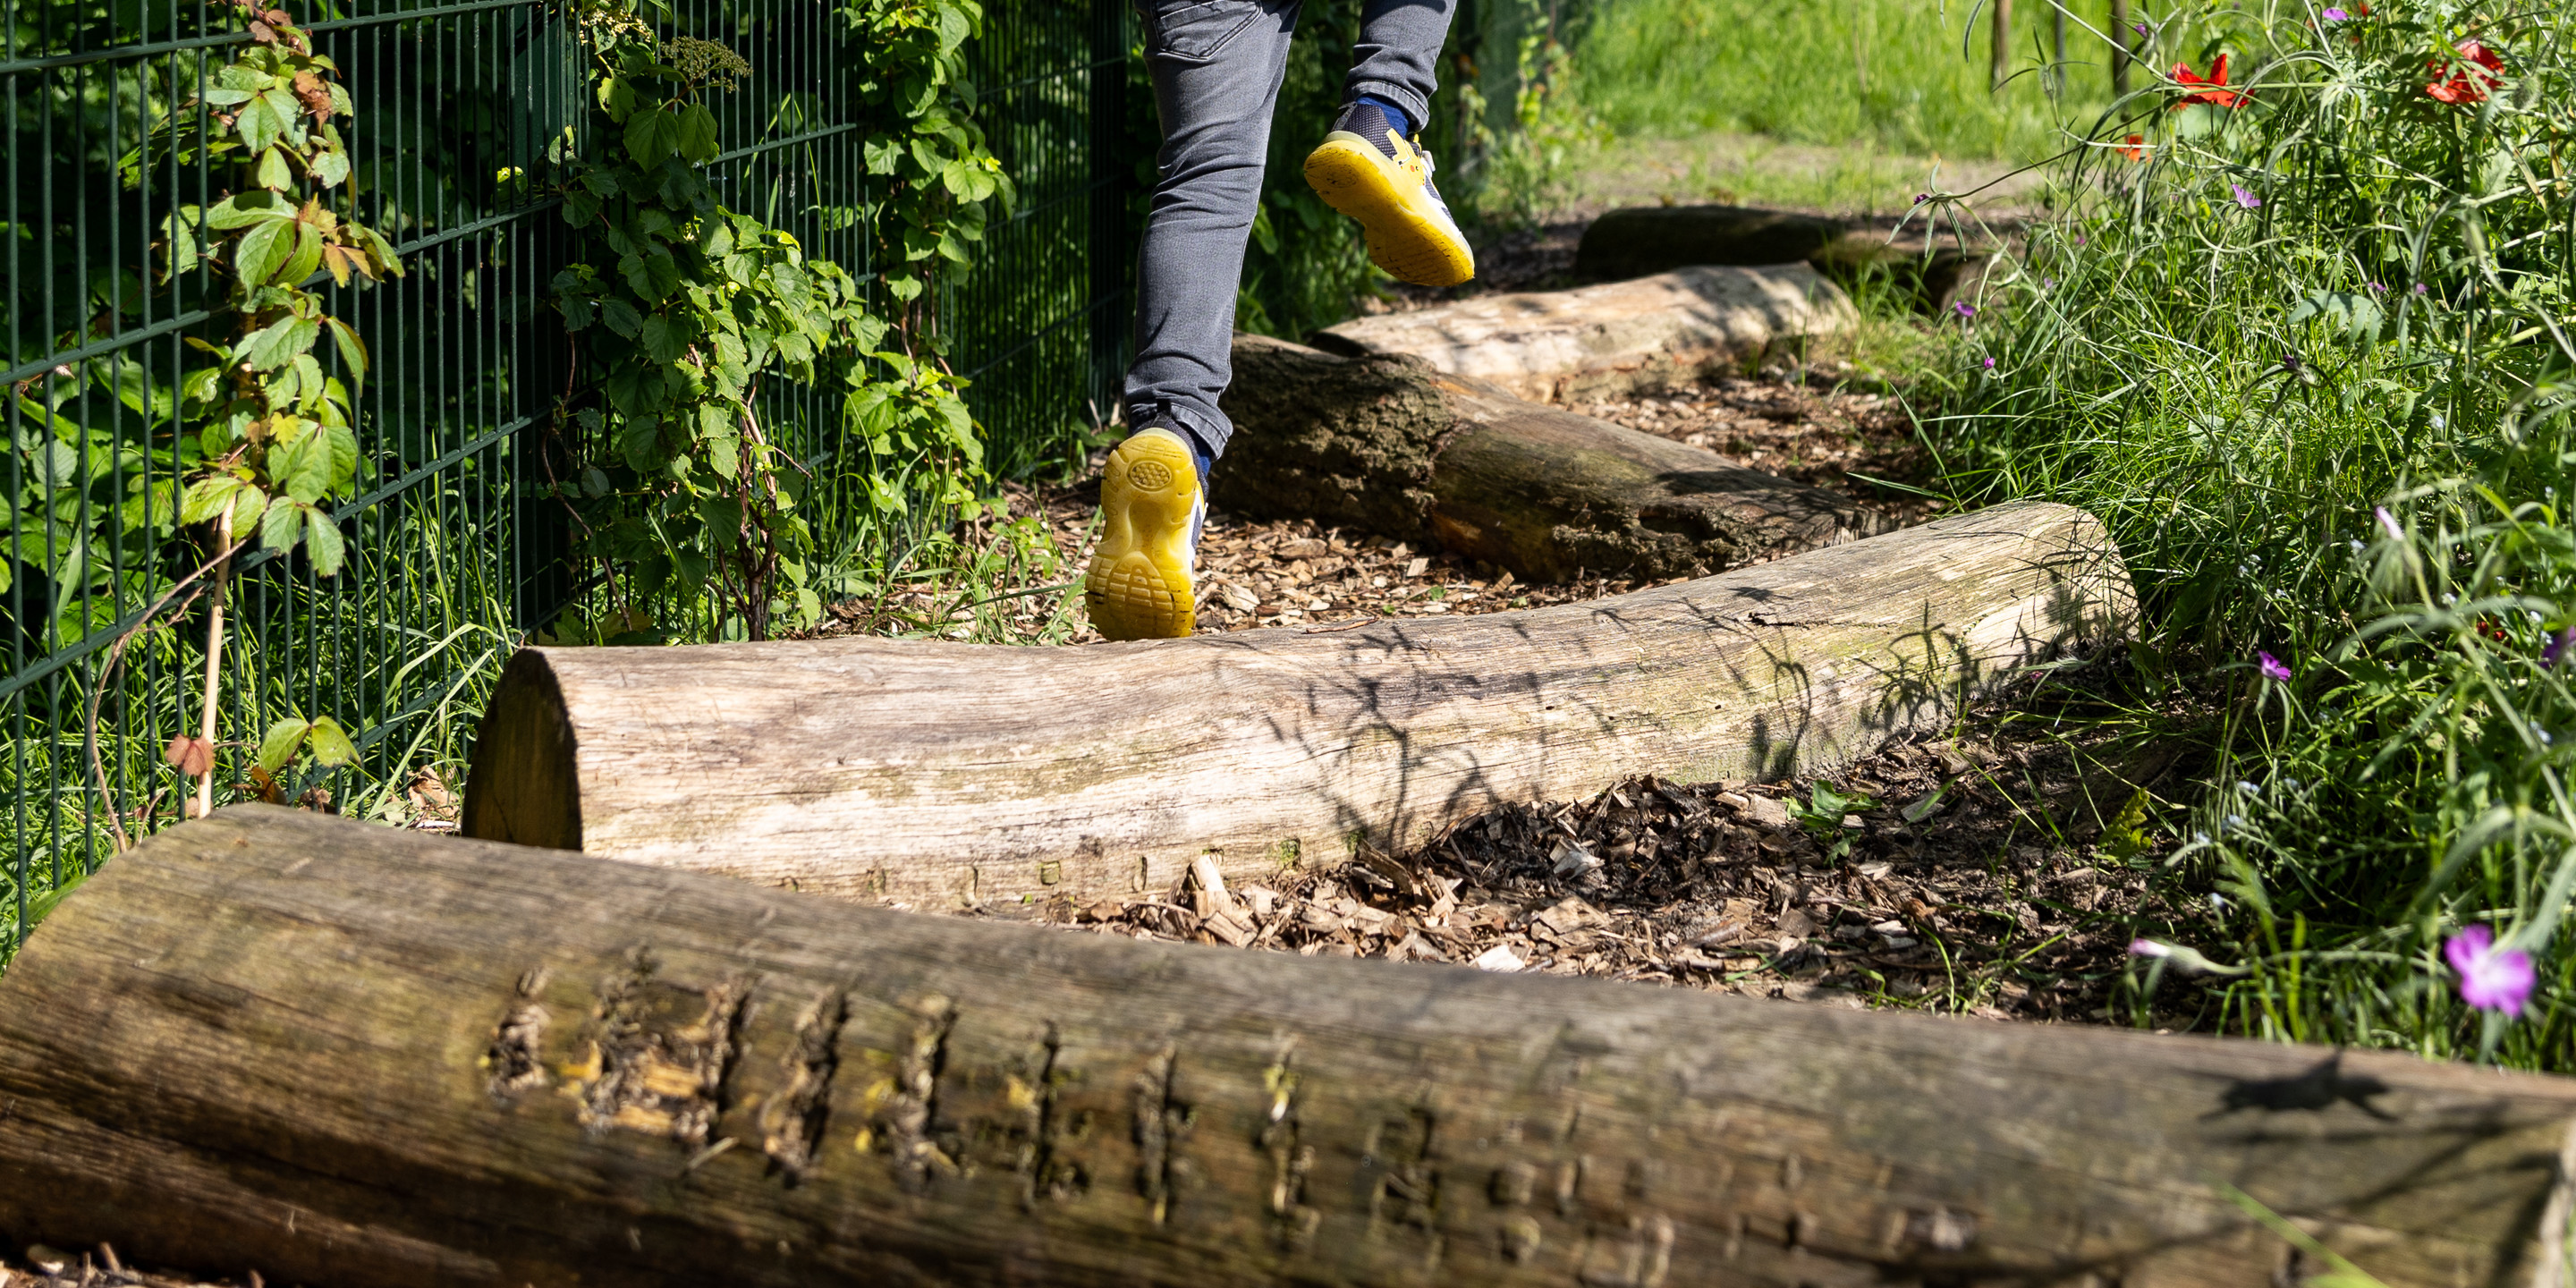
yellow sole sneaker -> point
(1140, 586)
(1410, 233)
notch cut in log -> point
(1649, 333)
(1387, 444)
(350, 1055)
(940, 773)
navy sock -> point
(1199, 453)
(1395, 115)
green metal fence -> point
(456, 549)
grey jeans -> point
(1217, 65)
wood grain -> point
(949, 774)
(1618, 338)
(347, 1055)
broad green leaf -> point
(281, 527)
(307, 256)
(353, 350)
(696, 133)
(207, 497)
(331, 745)
(331, 168)
(664, 338)
(323, 543)
(651, 135)
(259, 253)
(281, 742)
(248, 505)
(303, 468)
(621, 317)
(276, 344)
(273, 170)
(246, 208)
(344, 456)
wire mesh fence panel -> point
(457, 543)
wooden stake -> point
(2120, 34)
(214, 665)
(2002, 57)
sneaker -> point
(1140, 584)
(1368, 170)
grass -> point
(2310, 358)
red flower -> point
(2213, 91)
(2136, 149)
(2466, 84)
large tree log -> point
(936, 772)
(1636, 240)
(347, 1055)
(1385, 443)
(1621, 337)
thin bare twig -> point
(115, 651)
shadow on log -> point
(943, 773)
(1634, 241)
(348, 1055)
(1387, 444)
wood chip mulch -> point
(46, 1267)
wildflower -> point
(2247, 786)
(2376, 288)
(2334, 15)
(2356, 545)
(1921, 197)
(2149, 948)
(2244, 197)
(2491, 978)
(2272, 667)
(2421, 288)
(1990, 364)
(2136, 150)
(2138, 27)
(2388, 523)
(1964, 309)
(2475, 75)
(2559, 647)
(2212, 91)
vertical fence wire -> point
(457, 548)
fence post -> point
(1111, 177)
(2002, 57)
(2119, 47)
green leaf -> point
(259, 253)
(248, 504)
(307, 256)
(323, 543)
(207, 497)
(696, 135)
(243, 209)
(281, 527)
(281, 742)
(621, 317)
(344, 456)
(651, 135)
(353, 350)
(331, 745)
(664, 338)
(276, 344)
(303, 468)
(273, 170)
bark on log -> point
(1387, 444)
(348, 1055)
(1636, 240)
(941, 773)
(1616, 338)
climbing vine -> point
(272, 440)
(680, 309)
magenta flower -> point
(1990, 364)
(2491, 978)
(2388, 523)
(2272, 667)
(2244, 196)
(2149, 948)
(2560, 646)
(1964, 309)
(2334, 15)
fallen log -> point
(1622, 337)
(1636, 240)
(940, 774)
(1388, 444)
(349, 1055)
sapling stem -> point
(214, 663)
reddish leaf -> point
(262, 32)
(190, 756)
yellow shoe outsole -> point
(1139, 585)
(1406, 234)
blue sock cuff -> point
(1405, 124)
(1199, 453)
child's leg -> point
(1216, 66)
(1371, 167)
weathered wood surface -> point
(1634, 241)
(1387, 444)
(345, 1055)
(941, 773)
(1617, 338)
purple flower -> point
(1964, 309)
(2421, 288)
(2245, 196)
(2272, 667)
(2138, 27)
(2491, 978)
(2561, 645)
(2376, 288)
(1921, 197)
(2079, 241)
(2149, 948)
(2388, 523)
(2334, 15)
(1990, 364)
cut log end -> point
(524, 786)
